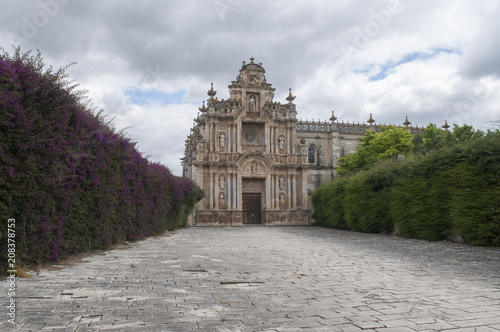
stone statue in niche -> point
(282, 182)
(253, 168)
(222, 200)
(251, 104)
(282, 199)
(281, 142)
(222, 139)
(222, 181)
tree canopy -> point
(390, 142)
(393, 141)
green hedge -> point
(365, 201)
(450, 191)
(328, 207)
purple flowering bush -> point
(72, 183)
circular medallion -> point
(250, 135)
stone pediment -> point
(254, 168)
(254, 164)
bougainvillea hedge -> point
(70, 181)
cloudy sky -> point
(149, 64)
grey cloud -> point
(187, 44)
(482, 57)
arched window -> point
(311, 155)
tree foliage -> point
(390, 142)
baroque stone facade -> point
(256, 162)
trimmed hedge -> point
(450, 191)
(365, 201)
(328, 204)
(71, 182)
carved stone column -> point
(268, 191)
(273, 191)
(288, 192)
(210, 190)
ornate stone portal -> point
(243, 154)
(256, 163)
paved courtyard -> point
(268, 279)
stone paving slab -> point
(267, 279)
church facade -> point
(255, 161)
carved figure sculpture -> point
(222, 200)
(222, 139)
(282, 199)
(253, 168)
(222, 181)
(282, 182)
(281, 143)
(251, 104)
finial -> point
(446, 125)
(251, 59)
(211, 92)
(407, 123)
(203, 108)
(244, 62)
(370, 120)
(290, 98)
(333, 118)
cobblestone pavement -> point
(268, 279)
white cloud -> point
(482, 56)
(169, 46)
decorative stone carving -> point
(222, 200)
(236, 217)
(281, 142)
(222, 139)
(222, 181)
(282, 182)
(282, 200)
(251, 185)
(253, 168)
(252, 134)
(252, 104)
(253, 79)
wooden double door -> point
(252, 208)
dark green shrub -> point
(475, 199)
(368, 198)
(328, 204)
(421, 198)
(421, 207)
